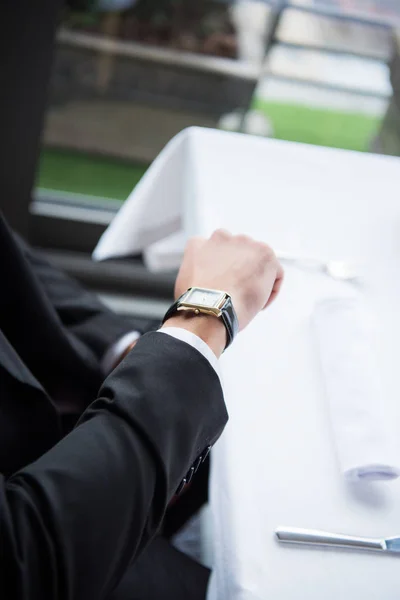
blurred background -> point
(127, 75)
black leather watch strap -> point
(230, 321)
(228, 317)
(172, 309)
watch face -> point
(203, 297)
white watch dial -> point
(203, 297)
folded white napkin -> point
(345, 330)
(167, 254)
(154, 209)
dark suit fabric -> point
(77, 511)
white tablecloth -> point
(275, 463)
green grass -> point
(86, 174)
(323, 127)
(109, 178)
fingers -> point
(245, 267)
(277, 284)
(270, 259)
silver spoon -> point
(337, 269)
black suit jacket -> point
(76, 510)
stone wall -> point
(130, 108)
(77, 76)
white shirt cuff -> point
(197, 343)
(116, 350)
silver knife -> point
(292, 535)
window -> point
(123, 83)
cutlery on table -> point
(292, 535)
(337, 269)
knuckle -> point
(266, 252)
(221, 234)
(244, 239)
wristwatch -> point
(208, 302)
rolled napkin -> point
(365, 445)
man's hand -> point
(248, 270)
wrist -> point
(207, 327)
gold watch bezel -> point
(215, 310)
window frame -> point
(67, 227)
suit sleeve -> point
(72, 522)
(80, 310)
